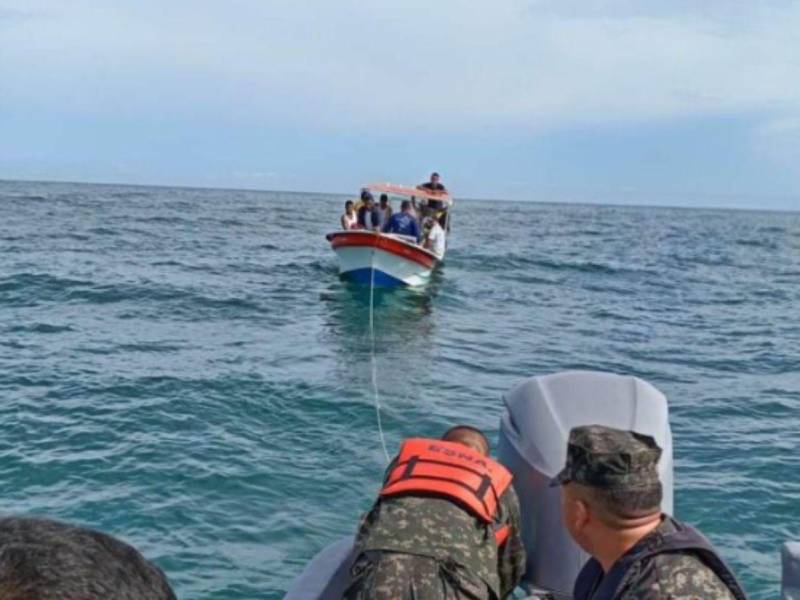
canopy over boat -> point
(409, 192)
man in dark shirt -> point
(435, 186)
(368, 215)
(384, 210)
(403, 223)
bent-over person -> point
(446, 525)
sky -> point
(678, 102)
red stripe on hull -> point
(367, 239)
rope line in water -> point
(373, 362)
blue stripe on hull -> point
(382, 279)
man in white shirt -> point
(433, 236)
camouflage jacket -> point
(674, 561)
(440, 529)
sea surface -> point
(184, 368)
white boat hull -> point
(382, 260)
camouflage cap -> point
(608, 458)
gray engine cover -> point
(790, 554)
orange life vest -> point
(453, 471)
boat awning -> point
(408, 192)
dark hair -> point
(348, 203)
(42, 559)
(405, 204)
(435, 174)
(384, 197)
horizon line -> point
(464, 198)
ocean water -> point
(184, 369)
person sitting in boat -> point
(433, 236)
(435, 186)
(349, 219)
(403, 223)
(414, 212)
(368, 214)
(384, 210)
(445, 525)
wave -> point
(23, 197)
(102, 231)
(40, 328)
(486, 262)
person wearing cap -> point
(611, 506)
(446, 524)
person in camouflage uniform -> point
(611, 501)
(425, 547)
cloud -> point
(332, 91)
(439, 66)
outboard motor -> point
(540, 412)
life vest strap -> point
(412, 462)
(480, 492)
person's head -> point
(349, 206)
(366, 197)
(405, 206)
(610, 484)
(384, 200)
(434, 177)
(428, 223)
(468, 436)
(42, 559)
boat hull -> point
(383, 260)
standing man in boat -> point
(445, 525)
(436, 186)
(611, 505)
